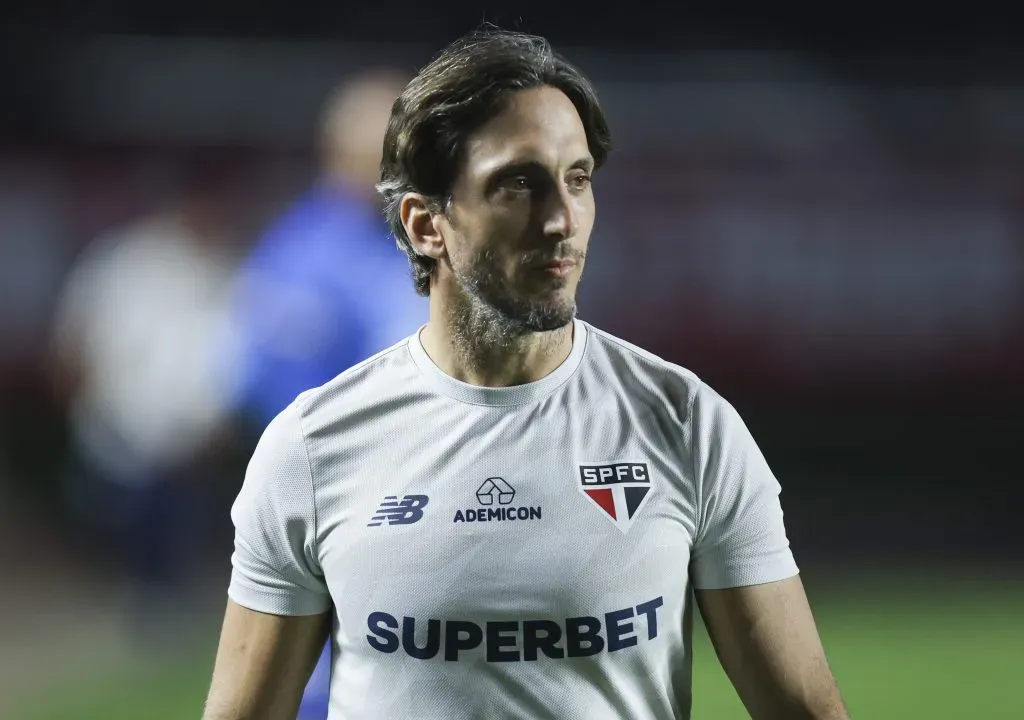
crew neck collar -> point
(500, 396)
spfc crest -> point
(617, 489)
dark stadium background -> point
(819, 211)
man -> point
(509, 509)
(324, 288)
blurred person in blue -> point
(326, 286)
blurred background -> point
(822, 216)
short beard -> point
(494, 313)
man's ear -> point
(422, 226)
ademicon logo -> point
(495, 496)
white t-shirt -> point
(520, 552)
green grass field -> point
(941, 653)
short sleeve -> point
(741, 537)
(274, 567)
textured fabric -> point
(518, 552)
(275, 568)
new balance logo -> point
(399, 512)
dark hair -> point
(454, 95)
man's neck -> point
(474, 346)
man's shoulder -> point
(654, 381)
(368, 383)
(626, 357)
(347, 409)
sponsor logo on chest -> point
(513, 640)
(495, 503)
(617, 490)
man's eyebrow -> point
(584, 163)
(523, 165)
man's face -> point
(522, 212)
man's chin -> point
(532, 312)
(549, 319)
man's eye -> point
(580, 182)
(519, 182)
